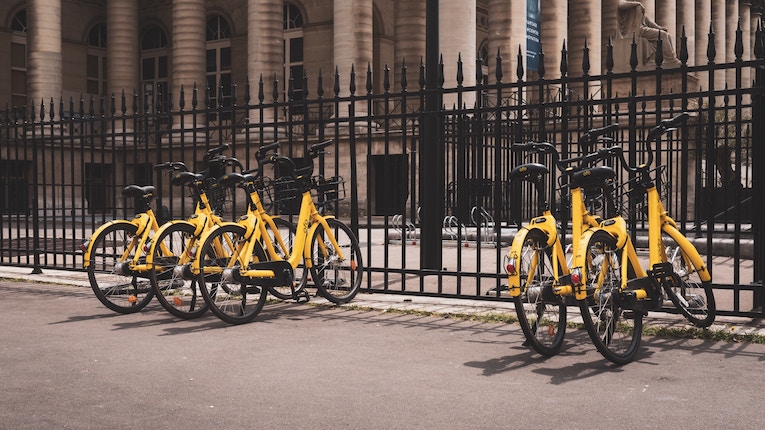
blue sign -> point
(533, 38)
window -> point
(98, 185)
(96, 60)
(219, 79)
(293, 51)
(154, 69)
(14, 186)
(19, 59)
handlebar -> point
(586, 141)
(216, 151)
(172, 165)
(657, 131)
(316, 148)
(591, 136)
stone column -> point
(703, 21)
(457, 25)
(609, 27)
(44, 72)
(731, 25)
(584, 24)
(746, 33)
(408, 42)
(507, 31)
(265, 37)
(189, 67)
(122, 53)
(718, 21)
(686, 18)
(554, 29)
(352, 23)
(666, 16)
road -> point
(68, 362)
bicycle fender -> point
(250, 222)
(89, 249)
(545, 223)
(514, 279)
(690, 251)
(617, 227)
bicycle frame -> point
(256, 225)
(658, 221)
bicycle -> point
(174, 243)
(115, 255)
(539, 278)
(280, 238)
(235, 282)
(619, 292)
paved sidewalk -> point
(433, 305)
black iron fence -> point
(63, 164)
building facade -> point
(71, 48)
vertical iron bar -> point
(431, 172)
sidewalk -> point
(400, 302)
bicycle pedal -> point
(302, 297)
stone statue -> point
(634, 23)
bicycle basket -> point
(632, 193)
(217, 196)
(327, 190)
(285, 195)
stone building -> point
(69, 48)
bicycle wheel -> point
(116, 286)
(175, 287)
(614, 327)
(287, 231)
(542, 313)
(232, 300)
(690, 295)
(335, 279)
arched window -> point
(154, 67)
(483, 54)
(19, 59)
(96, 60)
(219, 60)
(293, 49)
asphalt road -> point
(68, 362)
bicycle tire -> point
(689, 294)
(116, 286)
(177, 292)
(231, 300)
(615, 329)
(541, 313)
(337, 281)
(288, 231)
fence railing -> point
(63, 164)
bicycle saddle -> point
(593, 176)
(528, 171)
(137, 191)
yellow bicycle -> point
(539, 278)
(115, 255)
(235, 280)
(176, 241)
(619, 292)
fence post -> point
(758, 159)
(431, 153)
